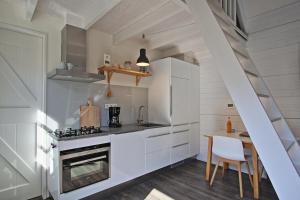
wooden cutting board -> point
(89, 116)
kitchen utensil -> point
(89, 115)
(108, 92)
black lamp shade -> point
(142, 61)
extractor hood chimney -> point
(73, 55)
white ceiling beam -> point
(194, 45)
(165, 11)
(91, 20)
(172, 36)
(30, 7)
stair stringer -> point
(275, 158)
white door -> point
(180, 101)
(21, 87)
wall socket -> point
(106, 59)
(106, 106)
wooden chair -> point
(230, 150)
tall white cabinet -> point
(174, 98)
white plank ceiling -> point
(166, 25)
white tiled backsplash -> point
(64, 99)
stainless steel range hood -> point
(73, 52)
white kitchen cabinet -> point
(53, 168)
(179, 101)
(180, 68)
(169, 91)
(194, 139)
(159, 92)
(194, 97)
(158, 143)
(179, 152)
(127, 156)
(174, 97)
(180, 143)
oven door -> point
(84, 168)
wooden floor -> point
(185, 182)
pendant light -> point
(143, 61)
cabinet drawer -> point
(180, 137)
(179, 152)
(157, 160)
(157, 142)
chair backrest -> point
(229, 148)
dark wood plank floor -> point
(186, 182)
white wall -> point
(214, 98)
(11, 13)
(99, 43)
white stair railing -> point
(230, 8)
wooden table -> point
(247, 143)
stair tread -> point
(240, 52)
(287, 143)
(250, 73)
(297, 166)
(262, 95)
(276, 119)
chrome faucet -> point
(140, 118)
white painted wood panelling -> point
(287, 34)
(125, 13)
(255, 8)
(214, 98)
(279, 65)
(274, 14)
(286, 59)
(140, 24)
(183, 18)
(172, 36)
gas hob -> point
(83, 131)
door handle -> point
(153, 136)
(171, 100)
(186, 130)
(53, 146)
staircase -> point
(274, 141)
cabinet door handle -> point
(181, 124)
(171, 100)
(186, 130)
(179, 145)
(153, 136)
(53, 145)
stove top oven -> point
(84, 166)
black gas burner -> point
(69, 132)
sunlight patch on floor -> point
(157, 195)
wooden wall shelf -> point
(121, 70)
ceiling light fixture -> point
(143, 61)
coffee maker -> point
(114, 120)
